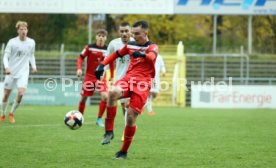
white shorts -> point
(21, 82)
(124, 100)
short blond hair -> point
(21, 23)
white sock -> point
(149, 106)
(14, 107)
(4, 108)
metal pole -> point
(225, 67)
(247, 64)
(250, 34)
(241, 65)
(62, 60)
(215, 34)
(202, 68)
(90, 23)
(2, 65)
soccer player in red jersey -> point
(135, 84)
(95, 55)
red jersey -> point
(140, 69)
(95, 55)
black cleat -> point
(120, 155)
(107, 137)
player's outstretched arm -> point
(108, 60)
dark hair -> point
(144, 24)
(123, 24)
(101, 31)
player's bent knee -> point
(131, 117)
(113, 94)
(5, 98)
(6, 95)
(130, 120)
(104, 97)
(20, 94)
(21, 91)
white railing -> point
(2, 65)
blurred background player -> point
(159, 66)
(121, 63)
(19, 53)
(94, 54)
(135, 84)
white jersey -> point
(159, 66)
(18, 55)
(121, 63)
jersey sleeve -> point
(85, 51)
(153, 48)
(152, 52)
(123, 51)
(7, 54)
(32, 60)
(81, 57)
(162, 64)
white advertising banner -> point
(226, 7)
(88, 6)
(233, 96)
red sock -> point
(102, 108)
(110, 116)
(128, 135)
(81, 107)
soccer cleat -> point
(11, 117)
(99, 122)
(120, 155)
(2, 118)
(151, 113)
(107, 137)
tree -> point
(170, 29)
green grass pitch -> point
(175, 137)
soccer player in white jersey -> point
(121, 63)
(159, 66)
(19, 53)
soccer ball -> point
(73, 119)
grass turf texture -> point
(175, 137)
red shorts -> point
(89, 85)
(138, 94)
